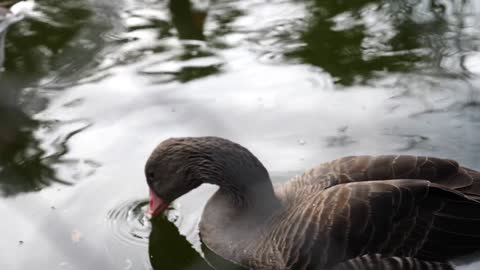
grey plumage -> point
(363, 212)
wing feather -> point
(413, 218)
(444, 172)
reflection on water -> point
(21, 166)
(26, 163)
(35, 49)
(28, 48)
(378, 37)
(192, 54)
(129, 222)
(166, 243)
(188, 22)
(92, 86)
(3, 31)
(167, 248)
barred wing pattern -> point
(378, 262)
(398, 207)
(367, 168)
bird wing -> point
(402, 217)
(378, 262)
(407, 218)
(444, 172)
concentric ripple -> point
(129, 222)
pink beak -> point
(156, 205)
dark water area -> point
(90, 87)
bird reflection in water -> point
(166, 243)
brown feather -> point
(357, 212)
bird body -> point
(363, 212)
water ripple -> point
(129, 222)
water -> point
(91, 87)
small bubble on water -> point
(64, 265)
(128, 264)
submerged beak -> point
(156, 205)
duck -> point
(356, 212)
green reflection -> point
(34, 45)
(188, 21)
(355, 41)
(24, 164)
(36, 48)
(21, 166)
(196, 44)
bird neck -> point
(251, 198)
(241, 209)
(235, 217)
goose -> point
(355, 212)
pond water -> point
(90, 87)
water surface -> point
(91, 87)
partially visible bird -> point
(359, 212)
